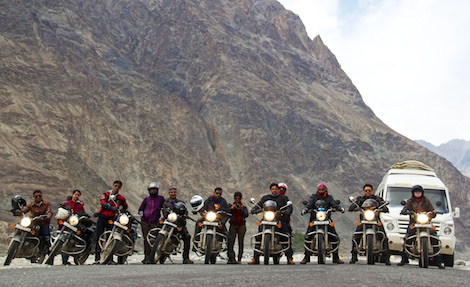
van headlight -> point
(26, 221)
(73, 220)
(211, 216)
(172, 217)
(269, 215)
(124, 219)
(369, 215)
(447, 230)
(321, 215)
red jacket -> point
(109, 207)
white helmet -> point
(153, 185)
(197, 202)
(62, 213)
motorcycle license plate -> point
(210, 223)
(69, 226)
(268, 222)
(17, 226)
(320, 223)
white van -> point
(396, 187)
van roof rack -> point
(411, 164)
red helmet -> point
(282, 188)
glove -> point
(106, 206)
(304, 211)
(342, 209)
(254, 210)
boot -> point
(253, 261)
(404, 259)
(336, 259)
(353, 258)
(305, 260)
(290, 261)
(187, 261)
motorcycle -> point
(120, 240)
(320, 242)
(75, 238)
(166, 239)
(26, 241)
(270, 241)
(370, 240)
(423, 245)
(210, 242)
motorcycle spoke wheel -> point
(207, 252)
(266, 248)
(11, 252)
(370, 249)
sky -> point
(409, 59)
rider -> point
(286, 218)
(170, 204)
(418, 202)
(368, 189)
(322, 194)
(39, 207)
(281, 200)
(110, 202)
(75, 206)
(237, 225)
(149, 211)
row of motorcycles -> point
(76, 236)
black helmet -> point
(18, 202)
(417, 187)
(179, 208)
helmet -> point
(282, 188)
(18, 202)
(418, 188)
(62, 213)
(179, 208)
(197, 202)
(322, 186)
(153, 185)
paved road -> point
(231, 275)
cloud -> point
(408, 58)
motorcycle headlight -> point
(269, 215)
(73, 220)
(172, 217)
(26, 221)
(422, 218)
(211, 216)
(124, 219)
(369, 215)
(321, 215)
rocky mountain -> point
(193, 94)
(456, 151)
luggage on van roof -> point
(411, 164)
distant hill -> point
(456, 151)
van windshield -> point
(438, 197)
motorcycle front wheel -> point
(321, 249)
(267, 246)
(109, 250)
(157, 249)
(56, 248)
(370, 249)
(424, 258)
(207, 252)
(11, 252)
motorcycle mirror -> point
(252, 200)
(338, 201)
(289, 202)
(351, 198)
(304, 202)
(403, 202)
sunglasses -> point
(218, 193)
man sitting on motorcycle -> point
(110, 202)
(286, 218)
(368, 190)
(41, 207)
(281, 200)
(322, 194)
(418, 202)
(169, 203)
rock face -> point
(193, 94)
(456, 151)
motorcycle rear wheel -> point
(11, 252)
(81, 258)
(370, 249)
